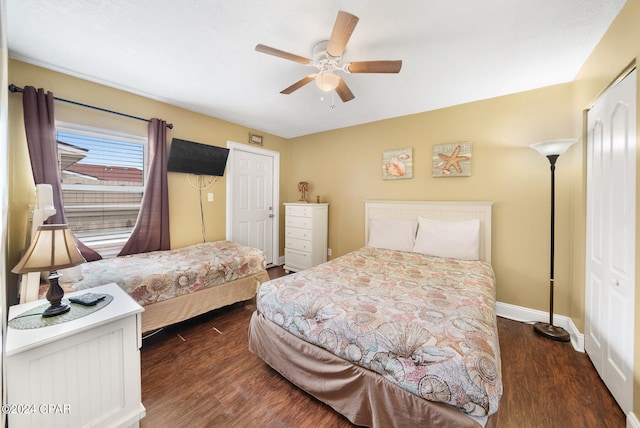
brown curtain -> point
(40, 127)
(151, 232)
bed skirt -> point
(362, 396)
(181, 308)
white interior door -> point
(611, 219)
(252, 198)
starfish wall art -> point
(452, 160)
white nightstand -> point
(80, 373)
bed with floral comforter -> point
(425, 324)
(227, 272)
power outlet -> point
(329, 252)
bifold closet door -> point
(610, 252)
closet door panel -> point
(611, 222)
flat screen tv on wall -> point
(196, 158)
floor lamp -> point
(552, 150)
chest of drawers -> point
(305, 235)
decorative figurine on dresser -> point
(303, 188)
(305, 235)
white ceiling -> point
(199, 54)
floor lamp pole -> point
(548, 329)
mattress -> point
(426, 325)
(163, 275)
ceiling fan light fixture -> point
(327, 60)
(327, 81)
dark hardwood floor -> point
(199, 373)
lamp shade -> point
(53, 248)
(552, 147)
(327, 81)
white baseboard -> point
(632, 421)
(519, 313)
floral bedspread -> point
(427, 324)
(160, 275)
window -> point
(102, 174)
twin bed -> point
(401, 332)
(179, 284)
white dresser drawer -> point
(297, 233)
(297, 259)
(298, 244)
(299, 211)
(302, 222)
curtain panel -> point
(151, 231)
(40, 129)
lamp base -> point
(551, 331)
(54, 296)
(54, 310)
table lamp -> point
(53, 248)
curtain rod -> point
(14, 88)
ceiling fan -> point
(327, 56)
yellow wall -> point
(183, 199)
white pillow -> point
(451, 239)
(397, 235)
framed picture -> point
(452, 160)
(397, 164)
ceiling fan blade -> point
(282, 54)
(299, 84)
(375, 66)
(343, 91)
(342, 30)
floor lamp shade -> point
(53, 248)
(552, 147)
(552, 150)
